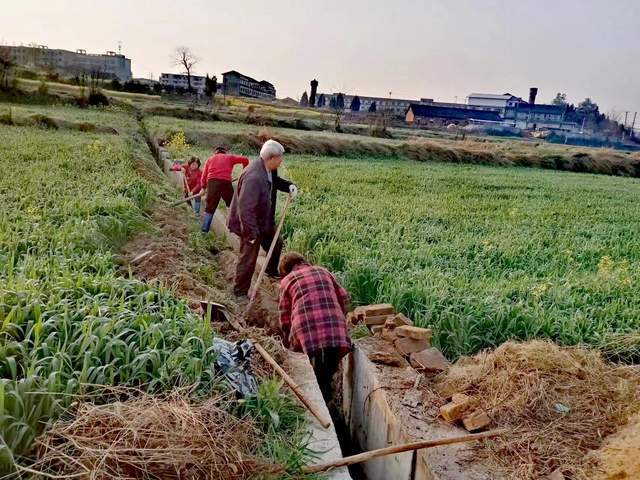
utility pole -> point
(633, 124)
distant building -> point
(527, 116)
(493, 102)
(235, 83)
(178, 80)
(420, 114)
(110, 65)
(396, 106)
(146, 81)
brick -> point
(407, 346)
(400, 319)
(352, 319)
(377, 310)
(377, 320)
(429, 360)
(388, 334)
(454, 411)
(415, 333)
(391, 358)
(460, 398)
(377, 329)
(476, 421)
(359, 312)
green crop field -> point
(71, 321)
(481, 254)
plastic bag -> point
(233, 362)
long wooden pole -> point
(363, 457)
(324, 421)
(254, 291)
(192, 197)
(185, 200)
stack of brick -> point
(414, 344)
(373, 315)
(462, 407)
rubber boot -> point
(206, 222)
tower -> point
(314, 89)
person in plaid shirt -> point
(312, 316)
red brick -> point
(415, 333)
(377, 310)
(430, 360)
(407, 346)
(377, 320)
(377, 329)
(454, 411)
(476, 421)
(400, 320)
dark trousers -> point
(247, 261)
(325, 363)
(216, 190)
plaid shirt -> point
(312, 306)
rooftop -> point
(235, 72)
(454, 113)
(493, 96)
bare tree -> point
(184, 57)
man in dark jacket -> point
(252, 213)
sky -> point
(437, 49)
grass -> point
(248, 139)
(481, 254)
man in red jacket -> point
(312, 316)
(216, 179)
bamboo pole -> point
(192, 197)
(363, 457)
(325, 422)
(185, 200)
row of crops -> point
(481, 254)
(70, 321)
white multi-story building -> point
(110, 65)
(491, 101)
(240, 85)
(177, 80)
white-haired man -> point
(252, 213)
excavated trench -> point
(376, 406)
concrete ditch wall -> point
(382, 407)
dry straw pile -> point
(559, 402)
(152, 437)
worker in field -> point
(312, 316)
(216, 179)
(191, 180)
(252, 214)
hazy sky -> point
(431, 48)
